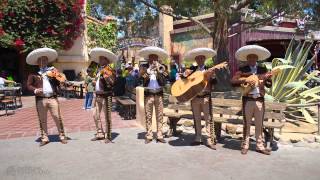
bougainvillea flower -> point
(11, 14)
(49, 30)
(79, 21)
(62, 6)
(61, 33)
(19, 42)
(1, 15)
(81, 2)
(68, 44)
(67, 31)
(1, 32)
(76, 8)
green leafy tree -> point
(102, 35)
(187, 7)
(126, 11)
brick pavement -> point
(25, 121)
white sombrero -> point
(34, 55)
(260, 51)
(145, 52)
(207, 52)
(95, 53)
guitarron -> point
(186, 89)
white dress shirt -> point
(46, 86)
(153, 82)
(97, 84)
(255, 91)
(98, 78)
(1, 82)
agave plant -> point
(289, 86)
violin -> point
(54, 73)
(108, 74)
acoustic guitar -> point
(186, 89)
(246, 88)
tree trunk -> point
(220, 43)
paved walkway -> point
(25, 121)
(130, 159)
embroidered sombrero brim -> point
(260, 51)
(34, 55)
(95, 53)
(145, 52)
(207, 52)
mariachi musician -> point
(202, 101)
(45, 86)
(104, 90)
(154, 75)
(253, 101)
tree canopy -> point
(137, 16)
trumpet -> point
(156, 67)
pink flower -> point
(68, 44)
(19, 42)
(81, 2)
(1, 32)
(79, 21)
(49, 30)
(67, 31)
(11, 14)
(62, 6)
(75, 8)
(1, 15)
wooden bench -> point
(127, 108)
(230, 111)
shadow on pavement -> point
(53, 138)
(114, 135)
(235, 144)
(183, 139)
(141, 135)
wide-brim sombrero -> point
(260, 51)
(95, 53)
(192, 54)
(147, 51)
(34, 55)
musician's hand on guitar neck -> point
(209, 74)
(265, 76)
